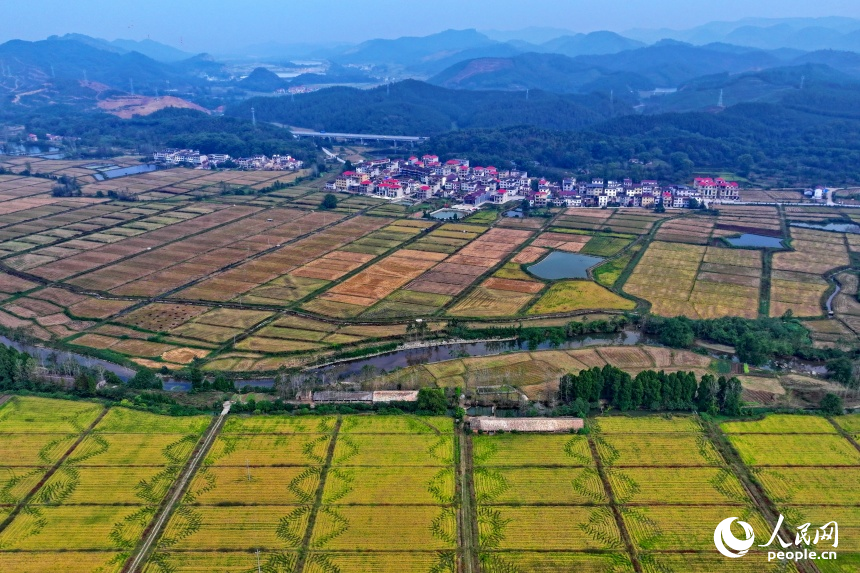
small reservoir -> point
(124, 171)
(756, 241)
(560, 265)
(447, 214)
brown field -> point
(161, 317)
(483, 302)
(532, 287)
(674, 278)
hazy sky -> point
(219, 25)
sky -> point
(218, 26)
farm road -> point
(179, 489)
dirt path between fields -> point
(467, 517)
(613, 505)
(309, 531)
(153, 532)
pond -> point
(515, 214)
(560, 265)
(835, 227)
(447, 214)
(124, 171)
(50, 355)
(756, 241)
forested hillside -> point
(417, 108)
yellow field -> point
(545, 562)
(362, 562)
(389, 528)
(389, 485)
(529, 486)
(49, 528)
(684, 528)
(532, 450)
(646, 424)
(126, 421)
(781, 424)
(28, 415)
(235, 528)
(133, 449)
(106, 485)
(268, 450)
(657, 450)
(34, 449)
(41, 561)
(393, 450)
(396, 425)
(278, 425)
(550, 528)
(796, 450)
(710, 561)
(224, 562)
(569, 296)
(811, 486)
(705, 486)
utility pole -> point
(254, 117)
(131, 84)
(258, 561)
(720, 101)
(248, 468)
(802, 81)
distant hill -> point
(417, 108)
(155, 50)
(769, 85)
(590, 44)
(808, 34)
(666, 64)
(262, 80)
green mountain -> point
(416, 108)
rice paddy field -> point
(249, 283)
(352, 492)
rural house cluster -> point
(473, 187)
(214, 160)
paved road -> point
(181, 485)
(358, 136)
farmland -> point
(329, 493)
(251, 282)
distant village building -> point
(255, 163)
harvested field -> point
(161, 317)
(486, 302)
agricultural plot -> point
(569, 296)
(388, 497)
(695, 231)
(105, 489)
(756, 219)
(268, 469)
(797, 282)
(809, 471)
(542, 492)
(698, 281)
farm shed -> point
(395, 396)
(333, 397)
(547, 425)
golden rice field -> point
(388, 490)
(799, 450)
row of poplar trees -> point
(651, 390)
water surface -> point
(756, 241)
(560, 265)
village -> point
(197, 160)
(471, 187)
